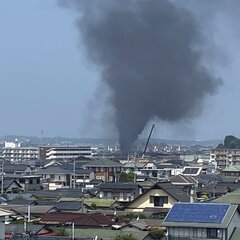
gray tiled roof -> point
(68, 206)
(19, 228)
(58, 193)
(118, 186)
(177, 192)
(8, 182)
(55, 169)
(103, 162)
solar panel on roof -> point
(200, 213)
(190, 170)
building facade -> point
(225, 157)
(105, 169)
(20, 154)
(65, 153)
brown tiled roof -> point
(60, 218)
(80, 219)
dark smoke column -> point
(149, 55)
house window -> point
(21, 180)
(158, 201)
(30, 181)
(51, 176)
(212, 233)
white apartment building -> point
(67, 153)
(15, 153)
(225, 157)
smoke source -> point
(149, 55)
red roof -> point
(79, 219)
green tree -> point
(94, 206)
(61, 231)
(130, 216)
(157, 234)
(125, 237)
(126, 177)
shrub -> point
(157, 234)
(125, 237)
(93, 205)
(61, 231)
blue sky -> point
(47, 83)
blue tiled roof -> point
(197, 212)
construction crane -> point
(145, 149)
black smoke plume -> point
(149, 53)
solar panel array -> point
(197, 212)
(190, 170)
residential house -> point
(91, 220)
(13, 168)
(159, 198)
(79, 176)
(105, 169)
(231, 198)
(68, 206)
(134, 167)
(205, 221)
(160, 171)
(10, 186)
(122, 192)
(54, 176)
(35, 210)
(232, 171)
(28, 182)
(216, 186)
(16, 231)
(55, 195)
(183, 180)
(192, 171)
(189, 183)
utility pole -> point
(74, 173)
(73, 233)
(28, 213)
(2, 177)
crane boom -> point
(145, 149)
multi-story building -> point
(225, 157)
(65, 153)
(105, 169)
(15, 153)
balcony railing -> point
(191, 238)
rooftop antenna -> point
(145, 149)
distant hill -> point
(230, 142)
